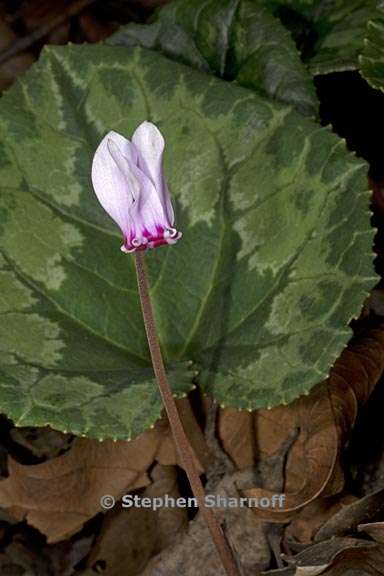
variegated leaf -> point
(238, 40)
(274, 261)
(372, 57)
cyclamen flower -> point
(129, 183)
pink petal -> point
(129, 184)
(147, 211)
(124, 165)
(110, 182)
(150, 144)
(126, 147)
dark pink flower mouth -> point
(164, 237)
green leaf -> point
(372, 58)
(293, 4)
(274, 261)
(235, 40)
(340, 26)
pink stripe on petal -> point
(147, 213)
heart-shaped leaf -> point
(234, 39)
(339, 27)
(274, 261)
(372, 57)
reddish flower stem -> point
(182, 443)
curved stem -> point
(182, 443)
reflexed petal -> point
(147, 212)
(126, 147)
(149, 229)
(149, 143)
(110, 184)
(125, 166)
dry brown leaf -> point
(236, 431)
(368, 561)
(59, 495)
(374, 529)
(309, 520)
(167, 454)
(312, 458)
(129, 537)
(349, 517)
(339, 557)
(194, 433)
(316, 558)
(365, 560)
(325, 419)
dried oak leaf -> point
(130, 537)
(337, 557)
(349, 517)
(309, 519)
(167, 453)
(323, 554)
(325, 418)
(235, 429)
(59, 495)
(368, 561)
(374, 529)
